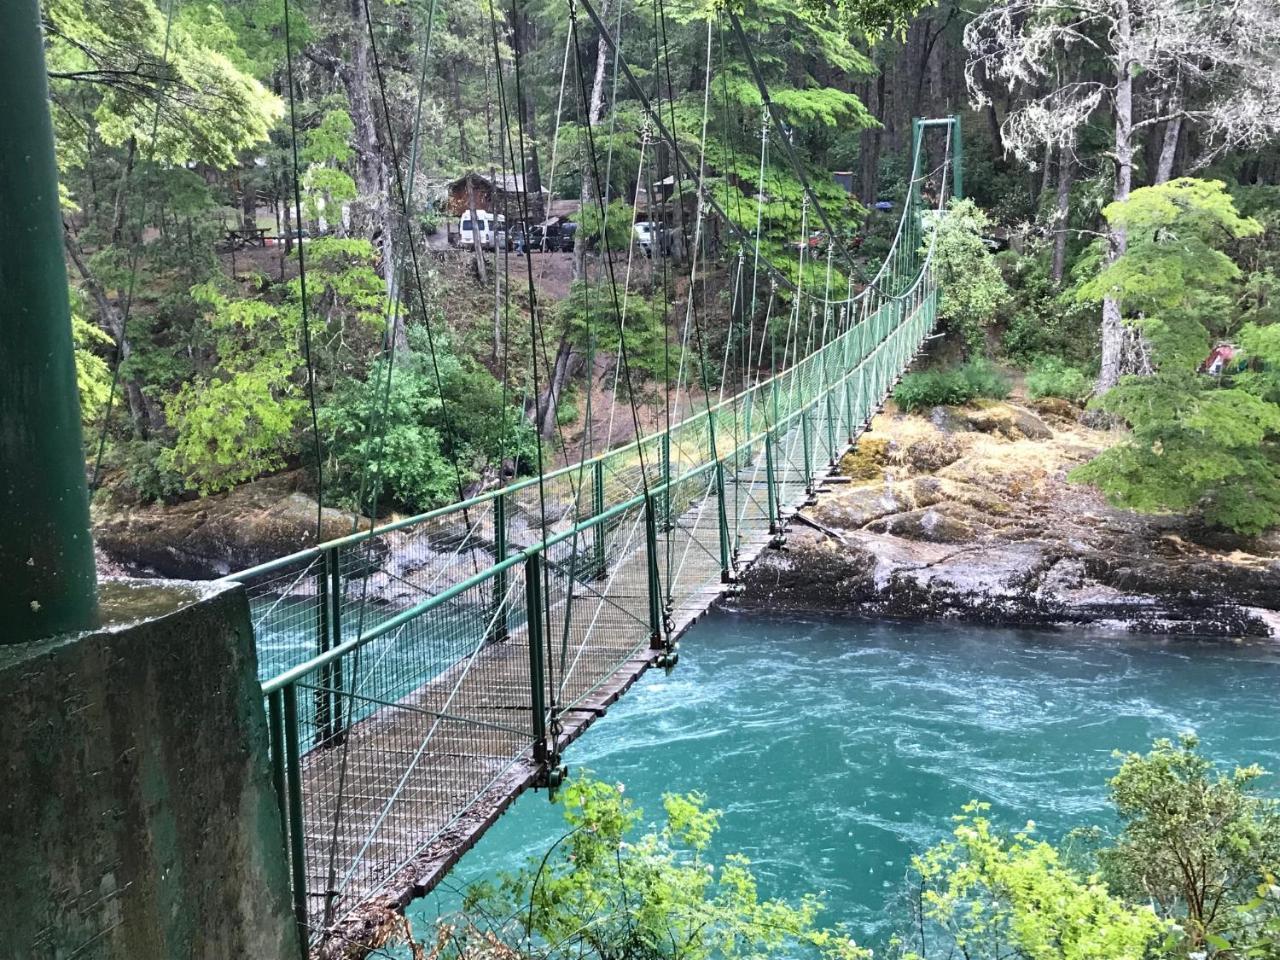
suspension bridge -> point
(420, 675)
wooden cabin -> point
(505, 194)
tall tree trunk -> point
(566, 363)
(146, 417)
(122, 190)
(1168, 149)
(533, 174)
(371, 214)
(358, 85)
(567, 359)
(475, 231)
(1066, 173)
(1124, 350)
(594, 110)
(1046, 174)
(871, 140)
(459, 117)
(926, 57)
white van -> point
(487, 224)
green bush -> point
(974, 291)
(984, 381)
(398, 447)
(148, 474)
(1040, 319)
(931, 388)
(1050, 377)
(382, 451)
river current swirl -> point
(836, 749)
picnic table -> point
(247, 237)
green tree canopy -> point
(1196, 442)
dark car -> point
(555, 237)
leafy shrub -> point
(932, 388)
(568, 410)
(612, 231)
(148, 474)
(589, 315)
(381, 448)
(984, 381)
(607, 890)
(93, 376)
(235, 427)
(973, 289)
(398, 446)
(1042, 320)
(1050, 377)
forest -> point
(262, 204)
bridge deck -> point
(413, 768)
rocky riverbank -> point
(967, 515)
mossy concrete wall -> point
(138, 819)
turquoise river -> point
(836, 749)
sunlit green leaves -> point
(994, 895)
(1197, 842)
(603, 892)
(170, 87)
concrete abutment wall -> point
(138, 818)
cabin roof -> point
(506, 182)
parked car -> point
(485, 228)
(651, 236)
(554, 237)
(297, 236)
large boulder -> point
(1011, 422)
(932, 453)
(990, 416)
(948, 523)
(211, 537)
(867, 460)
(1056, 407)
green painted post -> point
(666, 480)
(957, 158)
(768, 473)
(297, 849)
(537, 671)
(831, 427)
(725, 559)
(46, 551)
(324, 609)
(655, 585)
(335, 636)
(275, 724)
(722, 513)
(500, 582)
(850, 421)
(599, 568)
(806, 443)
